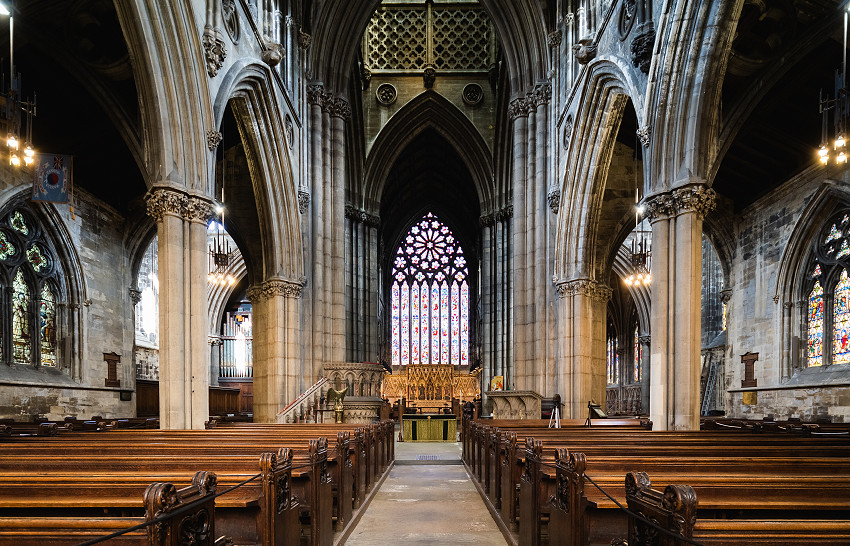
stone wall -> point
(763, 231)
(106, 322)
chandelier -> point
(14, 106)
(640, 253)
(840, 107)
(220, 253)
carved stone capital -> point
(213, 139)
(339, 108)
(198, 210)
(787, 305)
(726, 295)
(274, 288)
(554, 198)
(554, 38)
(541, 94)
(214, 341)
(695, 198)
(659, 206)
(316, 94)
(644, 340)
(304, 40)
(214, 51)
(487, 220)
(642, 47)
(585, 51)
(303, 201)
(135, 296)
(570, 18)
(163, 201)
(520, 107)
(429, 76)
(644, 135)
(505, 213)
(584, 287)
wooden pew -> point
(162, 502)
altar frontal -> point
(429, 428)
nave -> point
(426, 498)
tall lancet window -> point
(430, 297)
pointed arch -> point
(429, 110)
(604, 96)
(272, 176)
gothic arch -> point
(622, 268)
(255, 99)
(173, 104)
(605, 95)
(429, 110)
(683, 91)
(339, 26)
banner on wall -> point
(53, 178)
(497, 383)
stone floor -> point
(426, 502)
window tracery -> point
(429, 297)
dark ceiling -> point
(73, 57)
(791, 49)
(430, 176)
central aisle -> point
(426, 502)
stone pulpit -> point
(515, 404)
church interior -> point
(344, 214)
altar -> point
(429, 427)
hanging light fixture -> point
(840, 106)
(14, 106)
(220, 253)
(640, 253)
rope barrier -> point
(629, 512)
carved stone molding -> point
(570, 18)
(472, 94)
(644, 340)
(554, 199)
(585, 51)
(230, 18)
(214, 51)
(584, 287)
(568, 131)
(642, 47)
(429, 76)
(787, 305)
(303, 201)
(554, 38)
(214, 341)
(272, 54)
(541, 94)
(658, 206)
(519, 107)
(386, 93)
(274, 288)
(726, 295)
(316, 94)
(487, 220)
(505, 213)
(692, 198)
(163, 201)
(213, 139)
(644, 135)
(365, 77)
(304, 40)
(289, 127)
(135, 296)
(358, 215)
(697, 198)
(339, 108)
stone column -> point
(215, 343)
(581, 314)
(644, 373)
(676, 218)
(277, 336)
(518, 110)
(183, 357)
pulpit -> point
(515, 404)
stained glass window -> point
(834, 234)
(7, 249)
(18, 223)
(37, 258)
(814, 346)
(47, 316)
(431, 323)
(844, 250)
(816, 273)
(613, 376)
(841, 320)
(21, 334)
